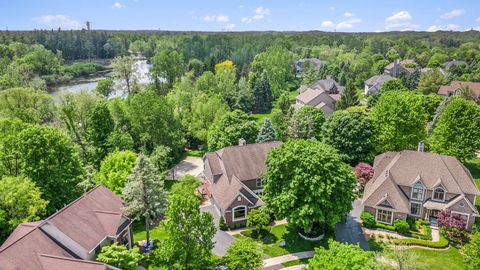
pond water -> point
(142, 75)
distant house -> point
(455, 88)
(233, 179)
(70, 238)
(418, 184)
(454, 63)
(397, 67)
(323, 94)
(316, 63)
(375, 83)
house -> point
(419, 184)
(70, 238)
(323, 94)
(456, 87)
(375, 83)
(233, 179)
(397, 67)
(316, 64)
(454, 63)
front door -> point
(433, 217)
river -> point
(142, 76)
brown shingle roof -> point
(446, 90)
(61, 263)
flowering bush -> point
(453, 226)
(364, 173)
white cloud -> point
(448, 27)
(328, 24)
(259, 14)
(332, 8)
(216, 18)
(55, 21)
(348, 14)
(399, 17)
(344, 25)
(118, 5)
(230, 26)
(402, 26)
(452, 14)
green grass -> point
(196, 153)
(293, 96)
(450, 259)
(295, 262)
(473, 166)
(260, 116)
(294, 243)
(139, 233)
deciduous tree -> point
(119, 256)
(124, 71)
(231, 127)
(243, 254)
(115, 169)
(341, 256)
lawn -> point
(450, 259)
(156, 233)
(260, 116)
(473, 166)
(293, 242)
(295, 262)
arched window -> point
(439, 194)
(239, 213)
(417, 191)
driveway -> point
(222, 239)
(189, 166)
(351, 230)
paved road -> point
(222, 239)
(351, 230)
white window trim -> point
(421, 209)
(423, 191)
(463, 214)
(376, 216)
(444, 194)
(233, 213)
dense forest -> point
(208, 90)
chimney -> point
(421, 146)
(242, 142)
(396, 62)
(329, 77)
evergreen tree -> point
(349, 97)
(144, 194)
(267, 133)
(262, 93)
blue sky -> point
(243, 15)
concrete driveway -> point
(351, 230)
(222, 239)
(189, 166)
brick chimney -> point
(242, 142)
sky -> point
(242, 15)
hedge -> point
(442, 243)
(385, 226)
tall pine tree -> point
(262, 93)
(349, 97)
(144, 194)
(267, 133)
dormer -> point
(385, 202)
(418, 189)
(439, 192)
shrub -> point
(401, 226)
(368, 220)
(259, 220)
(412, 223)
(420, 242)
(384, 226)
(221, 224)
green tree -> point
(398, 120)
(31, 106)
(20, 201)
(195, 66)
(205, 109)
(351, 134)
(161, 159)
(457, 131)
(168, 65)
(243, 254)
(124, 71)
(431, 81)
(349, 97)
(392, 85)
(144, 194)
(262, 94)
(306, 123)
(231, 127)
(472, 252)
(189, 234)
(119, 256)
(341, 256)
(115, 169)
(259, 220)
(105, 87)
(100, 126)
(267, 133)
(318, 191)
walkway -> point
(350, 231)
(286, 258)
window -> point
(384, 216)
(417, 191)
(439, 194)
(462, 204)
(259, 182)
(239, 213)
(239, 198)
(415, 209)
